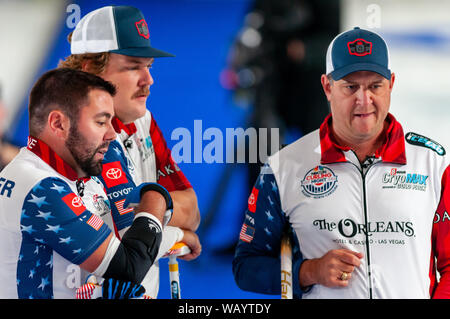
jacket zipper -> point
(366, 222)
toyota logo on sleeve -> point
(113, 174)
(77, 202)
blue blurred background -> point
(191, 87)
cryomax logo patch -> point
(404, 180)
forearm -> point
(186, 214)
(306, 276)
(130, 258)
(259, 274)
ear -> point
(59, 123)
(326, 85)
(86, 65)
(391, 82)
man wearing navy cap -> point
(113, 42)
(362, 194)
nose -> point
(364, 96)
(110, 134)
(146, 78)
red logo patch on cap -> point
(113, 174)
(360, 47)
(142, 28)
(252, 199)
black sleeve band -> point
(137, 251)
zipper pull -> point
(368, 161)
(80, 187)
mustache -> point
(103, 145)
(143, 91)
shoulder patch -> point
(420, 140)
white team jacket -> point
(384, 210)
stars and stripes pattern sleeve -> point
(256, 264)
(54, 219)
(55, 216)
(118, 182)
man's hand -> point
(192, 241)
(185, 206)
(144, 199)
(328, 269)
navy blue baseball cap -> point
(116, 29)
(357, 50)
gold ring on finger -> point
(344, 276)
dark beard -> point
(76, 144)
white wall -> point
(26, 29)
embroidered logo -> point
(95, 222)
(142, 28)
(404, 180)
(247, 233)
(113, 174)
(360, 47)
(420, 140)
(75, 203)
(319, 182)
(252, 199)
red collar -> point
(44, 152)
(392, 151)
(118, 125)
